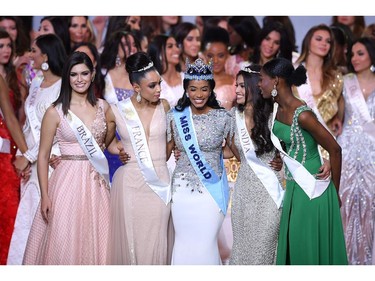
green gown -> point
(311, 231)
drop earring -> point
(139, 98)
(118, 61)
(372, 68)
(274, 91)
(44, 66)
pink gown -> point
(78, 227)
(140, 220)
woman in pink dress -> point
(71, 226)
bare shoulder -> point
(52, 115)
(165, 105)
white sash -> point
(89, 145)
(142, 151)
(31, 110)
(309, 184)
(109, 90)
(262, 171)
(358, 103)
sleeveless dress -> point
(140, 220)
(255, 216)
(38, 100)
(9, 189)
(311, 231)
(357, 186)
(78, 227)
(197, 218)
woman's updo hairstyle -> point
(137, 65)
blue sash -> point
(218, 188)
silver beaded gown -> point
(255, 217)
(197, 218)
(357, 185)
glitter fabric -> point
(196, 217)
(255, 217)
(357, 186)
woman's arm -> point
(323, 137)
(111, 124)
(10, 117)
(50, 123)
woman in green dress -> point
(311, 231)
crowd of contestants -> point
(199, 128)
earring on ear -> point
(187, 94)
(274, 91)
(118, 61)
(139, 97)
(44, 66)
(372, 68)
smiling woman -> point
(197, 126)
(74, 211)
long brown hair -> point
(329, 66)
(11, 74)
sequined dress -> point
(255, 216)
(357, 187)
(78, 228)
(196, 217)
(139, 218)
(311, 231)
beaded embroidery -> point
(297, 139)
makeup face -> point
(192, 43)
(270, 45)
(10, 26)
(198, 92)
(78, 29)
(46, 27)
(80, 78)
(240, 90)
(320, 43)
(218, 53)
(361, 60)
(172, 51)
(149, 86)
(5, 50)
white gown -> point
(196, 217)
(40, 99)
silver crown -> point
(199, 70)
(151, 64)
(249, 70)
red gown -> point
(9, 191)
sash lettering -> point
(217, 187)
(89, 145)
(262, 170)
(142, 151)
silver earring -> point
(44, 66)
(372, 68)
(118, 61)
(187, 94)
(139, 98)
(274, 91)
